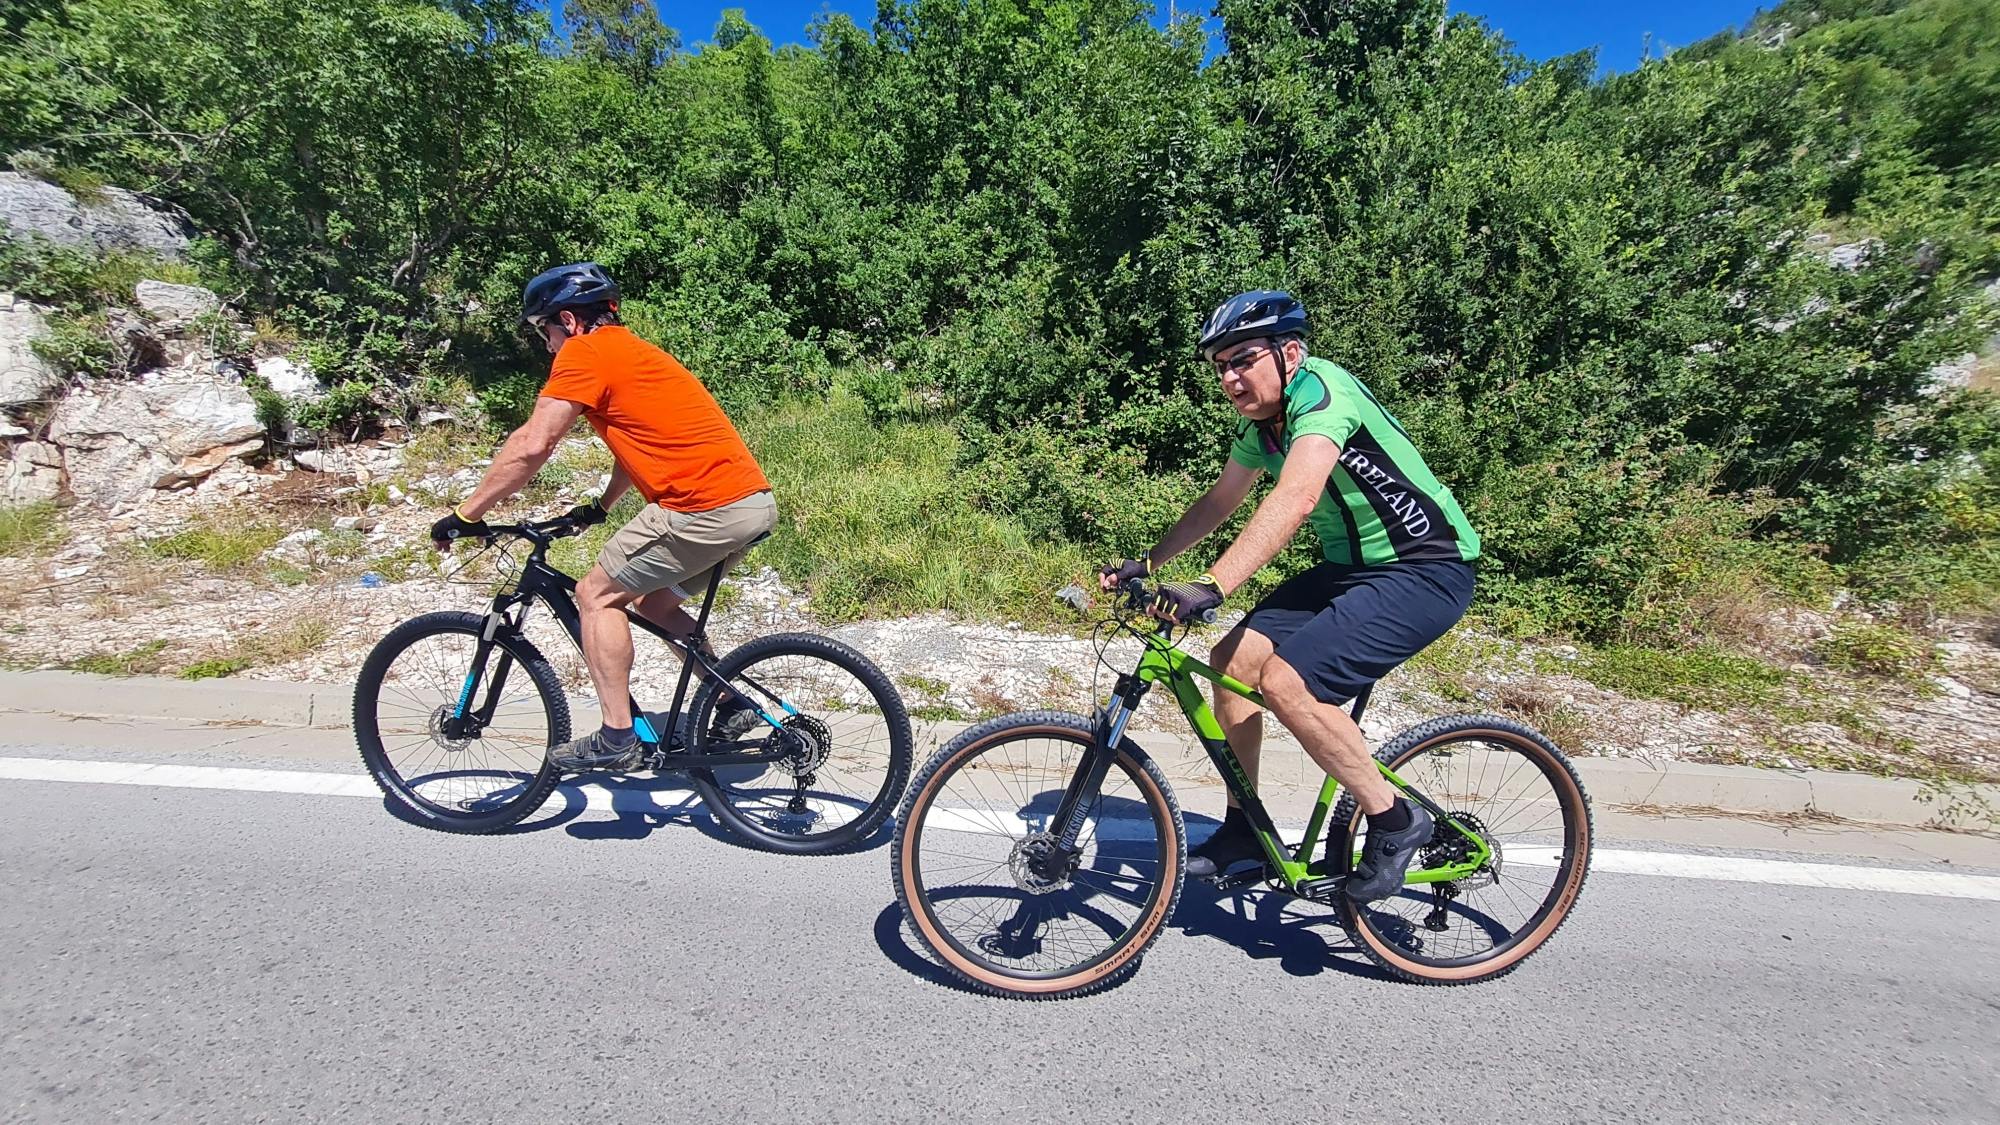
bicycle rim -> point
(1519, 793)
(477, 783)
(965, 871)
(847, 737)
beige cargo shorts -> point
(662, 549)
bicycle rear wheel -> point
(846, 737)
(1516, 790)
(411, 684)
(965, 854)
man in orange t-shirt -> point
(706, 498)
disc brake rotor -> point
(438, 719)
(1029, 862)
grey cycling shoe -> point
(732, 720)
(592, 752)
(1386, 858)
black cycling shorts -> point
(1341, 628)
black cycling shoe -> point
(591, 752)
(1231, 844)
(1386, 857)
(733, 719)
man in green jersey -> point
(1397, 572)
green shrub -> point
(76, 345)
(1879, 650)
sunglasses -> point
(1242, 362)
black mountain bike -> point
(455, 714)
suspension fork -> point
(1067, 824)
(463, 718)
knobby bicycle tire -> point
(1371, 929)
(398, 789)
(722, 796)
(1117, 961)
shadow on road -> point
(1306, 939)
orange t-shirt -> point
(660, 422)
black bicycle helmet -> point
(1249, 316)
(564, 287)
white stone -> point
(24, 378)
(121, 439)
(35, 473)
(293, 380)
(1953, 374)
(168, 301)
(10, 430)
(321, 460)
(353, 523)
(435, 417)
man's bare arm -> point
(1308, 464)
(523, 454)
(1206, 514)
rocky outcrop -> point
(24, 379)
(167, 429)
(111, 219)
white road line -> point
(1620, 861)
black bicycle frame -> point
(539, 581)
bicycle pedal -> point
(1323, 891)
(1230, 880)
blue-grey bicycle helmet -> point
(564, 287)
(1249, 316)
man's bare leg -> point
(607, 644)
(1327, 733)
(1241, 654)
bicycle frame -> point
(539, 581)
(1164, 663)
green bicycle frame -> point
(1163, 663)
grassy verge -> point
(879, 520)
(31, 529)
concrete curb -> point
(1611, 782)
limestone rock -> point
(24, 378)
(167, 301)
(35, 473)
(195, 468)
(123, 439)
(293, 380)
(112, 219)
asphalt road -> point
(201, 955)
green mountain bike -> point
(1040, 854)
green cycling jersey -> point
(1382, 504)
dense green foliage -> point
(1609, 311)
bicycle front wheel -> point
(1514, 789)
(844, 733)
(967, 847)
(472, 781)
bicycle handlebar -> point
(539, 532)
(1139, 596)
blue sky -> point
(1541, 30)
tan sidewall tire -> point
(915, 907)
(1577, 841)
